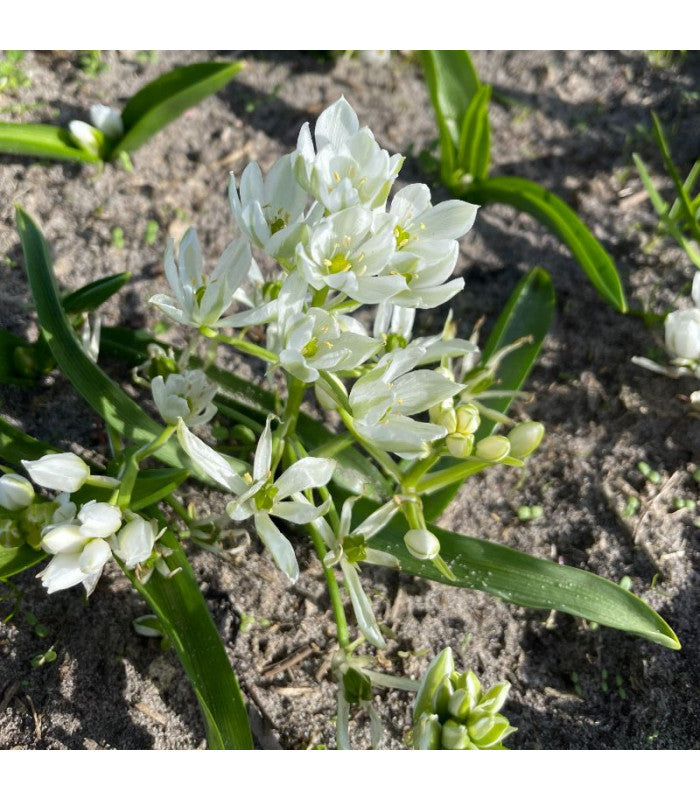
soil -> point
(569, 120)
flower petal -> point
(278, 545)
(307, 473)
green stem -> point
(238, 416)
(416, 472)
(383, 459)
(240, 344)
(333, 446)
(131, 466)
(322, 490)
(341, 621)
(296, 390)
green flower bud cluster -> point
(453, 712)
(461, 423)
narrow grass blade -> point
(553, 212)
(183, 613)
(166, 98)
(40, 141)
(528, 581)
(93, 295)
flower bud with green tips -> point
(525, 438)
(422, 544)
(493, 448)
(452, 712)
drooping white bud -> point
(108, 120)
(422, 544)
(16, 492)
(134, 542)
(62, 472)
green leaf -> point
(16, 445)
(16, 360)
(452, 83)
(528, 581)
(556, 215)
(122, 413)
(183, 613)
(93, 295)
(528, 312)
(151, 486)
(166, 98)
(475, 138)
(14, 560)
(40, 141)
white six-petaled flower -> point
(188, 396)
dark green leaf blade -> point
(40, 141)
(531, 582)
(166, 98)
(16, 445)
(183, 612)
(14, 560)
(528, 312)
(556, 215)
(452, 83)
(108, 400)
(94, 294)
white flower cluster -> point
(81, 540)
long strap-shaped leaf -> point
(528, 312)
(110, 402)
(41, 141)
(553, 212)
(183, 612)
(167, 97)
(528, 581)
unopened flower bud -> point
(15, 492)
(682, 333)
(426, 733)
(422, 544)
(107, 120)
(468, 419)
(445, 415)
(493, 700)
(62, 472)
(454, 736)
(87, 138)
(134, 542)
(460, 446)
(459, 705)
(441, 667)
(525, 438)
(493, 448)
(488, 731)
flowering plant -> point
(408, 419)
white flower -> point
(134, 542)
(313, 340)
(394, 325)
(426, 246)
(108, 120)
(87, 138)
(16, 492)
(682, 329)
(383, 400)
(347, 548)
(270, 212)
(188, 395)
(260, 497)
(79, 547)
(201, 299)
(62, 472)
(347, 168)
(347, 254)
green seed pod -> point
(454, 736)
(441, 667)
(427, 733)
(525, 438)
(493, 448)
